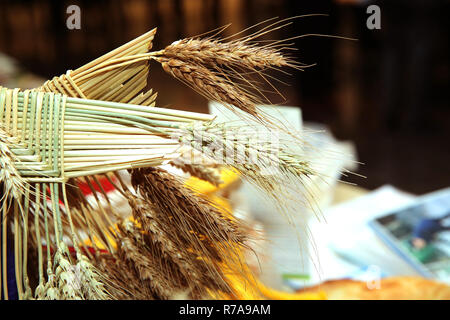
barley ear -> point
(10, 177)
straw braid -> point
(46, 151)
(63, 84)
(41, 142)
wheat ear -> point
(194, 225)
(203, 172)
(9, 175)
(209, 84)
(237, 53)
(123, 282)
(91, 280)
(195, 272)
(273, 168)
(68, 282)
(229, 72)
(162, 282)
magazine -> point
(420, 234)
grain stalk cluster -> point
(88, 127)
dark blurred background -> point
(387, 92)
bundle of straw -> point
(59, 137)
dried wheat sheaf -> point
(171, 242)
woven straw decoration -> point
(60, 137)
(97, 120)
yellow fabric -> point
(247, 287)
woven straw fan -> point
(120, 75)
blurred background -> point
(387, 92)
